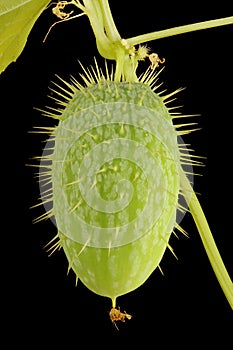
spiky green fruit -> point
(115, 182)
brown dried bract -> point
(155, 60)
(117, 315)
(57, 10)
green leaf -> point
(17, 18)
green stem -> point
(96, 16)
(108, 38)
(109, 24)
(207, 238)
(179, 30)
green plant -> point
(116, 166)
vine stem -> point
(179, 30)
(207, 238)
(108, 39)
(109, 23)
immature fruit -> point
(115, 182)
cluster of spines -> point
(64, 94)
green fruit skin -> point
(128, 130)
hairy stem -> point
(179, 30)
(207, 238)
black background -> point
(186, 306)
